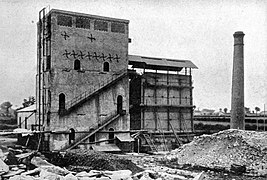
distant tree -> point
(225, 110)
(257, 109)
(28, 102)
(5, 107)
(247, 110)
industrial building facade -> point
(88, 98)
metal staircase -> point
(78, 100)
(96, 129)
(150, 143)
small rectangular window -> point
(48, 63)
(82, 22)
(117, 27)
(101, 26)
(64, 20)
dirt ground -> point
(154, 162)
(5, 142)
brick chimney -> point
(237, 104)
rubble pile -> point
(97, 161)
(18, 164)
(230, 150)
(155, 170)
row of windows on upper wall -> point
(77, 66)
(84, 22)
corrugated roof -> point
(159, 63)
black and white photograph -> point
(133, 90)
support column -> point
(237, 105)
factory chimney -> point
(237, 104)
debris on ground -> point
(154, 169)
(98, 161)
(236, 151)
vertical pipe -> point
(237, 105)
(39, 67)
(43, 75)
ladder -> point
(162, 134)
(176, 137)
(150, 143)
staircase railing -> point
(83, 96)
(96, 128)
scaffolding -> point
(165, 100)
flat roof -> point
(31, 108)
(88, 15)
(159, 63)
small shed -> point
(26, 117)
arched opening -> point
(77, 65)
(71, 136)
(111, 135)
(106, 67)
(92, 137)
(119, 104)
(61, 102)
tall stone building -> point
(82, 83)
(83, 87)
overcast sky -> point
(200, 31)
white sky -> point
(200, 31)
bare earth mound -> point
(98, 161)
(225, 149)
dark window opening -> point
(77, 65)
(92, 137)
(72, 136)
(119, 104)
(111, 136)
(48, 63)
(25, 121)
(106, 67)
(64, 20)
(82, 22)
(19, 122)
(101, 26)
(48, 118)
(49, 98)
(117, 27)
(61, 102)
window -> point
(71, 136)
(49, 98)
(111, 135)
(82, 22)
(48, 118)
(117, 27)
(106, 67)
(100, 25)
(64, 20)
(119, 104)
(61, 102)
(77, 65)
(92, 137)
(48, 63)
(19, 122)
(25, 121)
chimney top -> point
(239, 33)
